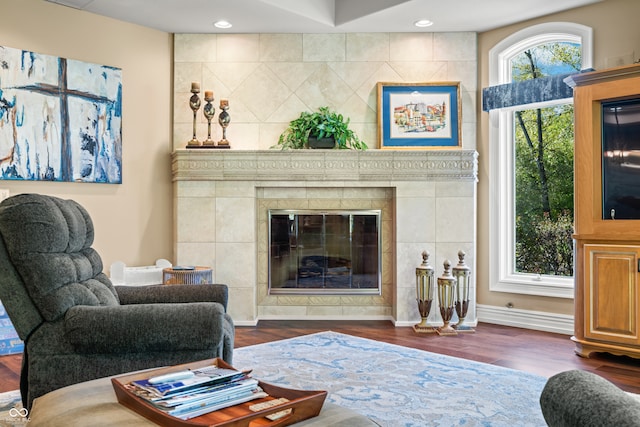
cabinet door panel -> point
(611, 303)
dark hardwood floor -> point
(538, 352)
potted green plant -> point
(320, 125)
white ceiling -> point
(322, 16)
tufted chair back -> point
(56, 265)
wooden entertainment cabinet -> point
(607, 262)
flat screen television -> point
(621, 159)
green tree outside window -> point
(544, 167)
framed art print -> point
(417, 116)
(60, 119)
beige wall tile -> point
(454, 189)
(465, 72)
(262, 92)
(195, 47)
(281, 47)
(231, 211)
(324, 47)
(285, 193)
(368, 47)
(228, 76)
(415, 219)
(325, 204)
(455, 46)
(238, 47)
(195, 189)
(324, 310)
(184, 73)
(293, 74)
(281, 311)
(240, 304)
(324, 88)
(411, 47)
(237, 268)
(358, 312)
(235, 189)
(325, 193)
(454, 219)
(196, 219)
(202, 254)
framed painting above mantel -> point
(418, 116)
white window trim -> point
(502, 277)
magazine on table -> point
(209, 405)
(190, 393)
(175, 382)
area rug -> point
(398, 386)
(11, 412)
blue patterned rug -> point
(398, 386)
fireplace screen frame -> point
(345, 271)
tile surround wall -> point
(269, 79)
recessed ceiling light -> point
(222, 24)
(423, 23)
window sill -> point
(535, 285)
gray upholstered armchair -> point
(75, 324)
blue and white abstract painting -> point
(60, 119)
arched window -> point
(531, 160)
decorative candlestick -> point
(462, 273)
(224, 119)
(194, 103)
(424, 290)
(446, 289)
(209, 112)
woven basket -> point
(187, 276)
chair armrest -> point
(155, 294)
(145, 327)
(580, 399)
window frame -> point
(502, 274)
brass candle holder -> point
(209, 112)
(424, 289)
(224, 119)
(194, 103)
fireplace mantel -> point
(324, 165)
(221, 197)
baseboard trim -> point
(527, 319)
(517, 318)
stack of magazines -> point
(191, 393)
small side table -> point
(187, 275)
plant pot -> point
(314, 142)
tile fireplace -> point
(222, 205)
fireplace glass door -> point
(324, 252)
